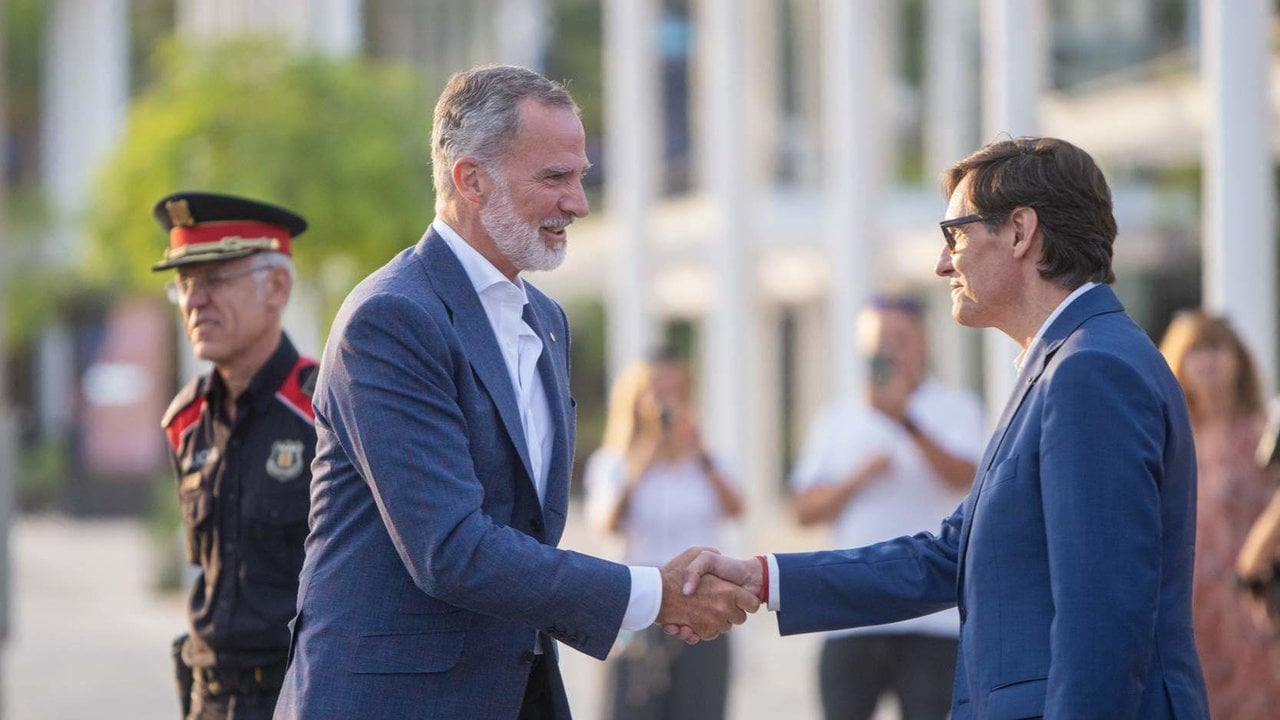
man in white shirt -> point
(893, 461)
(1071, 558)
(432, 585)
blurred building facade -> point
(818, 132)
(767, 165)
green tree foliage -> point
(343, 142)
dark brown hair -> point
(1066, 189)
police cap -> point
(210, 227)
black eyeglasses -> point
(947, 225)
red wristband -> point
(764, 586)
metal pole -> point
(8, 445)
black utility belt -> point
(241, 681)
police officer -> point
(242, 440)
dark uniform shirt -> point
(243, 489)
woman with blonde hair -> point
(653, 482)
(1224, 398)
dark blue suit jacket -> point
(1071, 558)
(431, 566)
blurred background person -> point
(242, 438)
(654, 483)
(892, 462)
(1224, 398)
(1256, 563)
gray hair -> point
(265, 260)
(478, 115)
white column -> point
(950, 133)
(334, 27)
(730, 348)
(951, 100)
(1014, 56)
(524, 27)
(633, 119)
(1239, 220)
(853, 97)
(763, 91)
(337, 26)
(804, 130)
(223, 18)
(85, 96)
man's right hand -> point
(705, 608)
(746, 576)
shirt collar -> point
(1017, 363)
(266, 381)
(482, 274)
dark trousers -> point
(855, 671)
(537, 703)
(658, 677)
(207, 705)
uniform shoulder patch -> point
(298, 387)
(307, 379)
(183, 413)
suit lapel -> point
(471, 324)
(1095, 301)
(555, 383)
(1031, 371)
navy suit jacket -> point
(431, 566)
(1070, 559)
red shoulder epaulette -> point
(297, 388)
(183, 413)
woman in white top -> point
(653, 482)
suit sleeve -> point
(1102, 443)
(393, 405)
(890, 581)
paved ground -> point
(91, 639)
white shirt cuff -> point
(646, 598)
(775, 584)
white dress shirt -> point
(1017, 363)
(503, 303)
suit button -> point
(536, 524)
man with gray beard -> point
(432, 585)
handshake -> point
(704, 593)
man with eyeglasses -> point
(242, 440)
(1071, 558)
